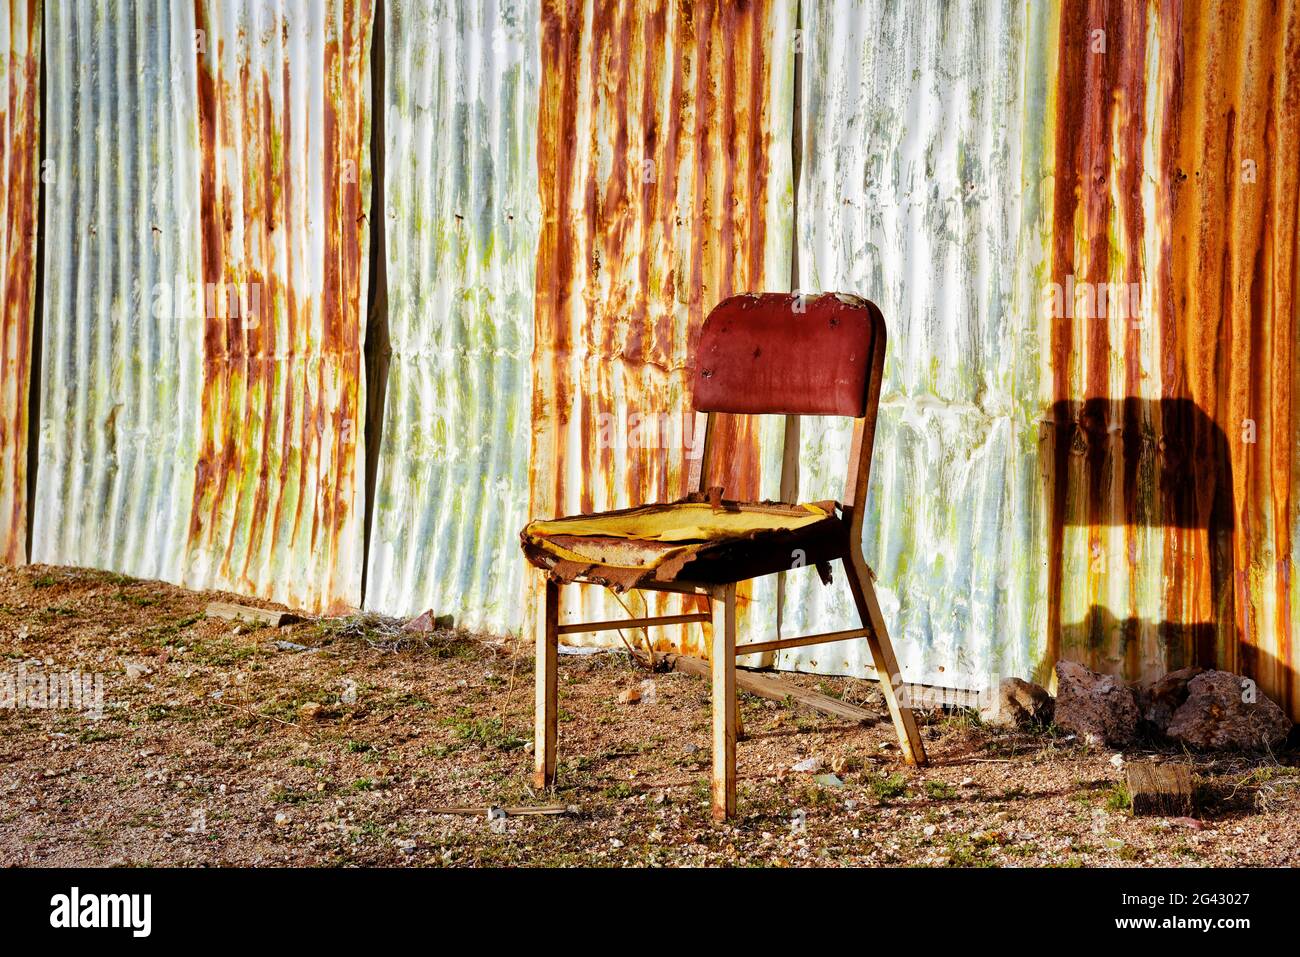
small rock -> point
(1191, 823)
(649, 692)
(1015, 703)
(422, 622)
(281, 819)
(428, 622)
(829, 780)
(311, 711)
(406, 846)
(1117, 760)
(136, 671)
(349, 695)
(807, 766)
(1224, 710)
(1099, 708)
(929, 830)
(292, 646)
(798, 821)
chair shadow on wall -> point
(1175, 467)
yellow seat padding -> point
(683, 522)
(627, 548)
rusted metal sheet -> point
(665, 182)
(1171, 456)
(205, 287)
(284, 184)
(20, 103)
(119, 365)
(919, 192)
(1080, 220)
(461, 208)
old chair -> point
(758, 354)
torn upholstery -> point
(690, 540)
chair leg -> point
(546, 674)
(725, 708)
(882, 653)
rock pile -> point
(1192, 706)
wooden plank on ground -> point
(548, 809)
(248, 614)
(1163, 790)
(776, 690)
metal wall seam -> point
(20, 100)
(461, 84)
(664, 173)
(119, 360)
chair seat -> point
(685, 541)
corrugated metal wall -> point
(120, 364)
(921, 177)
(461, 223)
(284, 187)
(569, 187)
(1115, 487)
(20, 102)
(207, 434)
(665, 181)
(1172, 502)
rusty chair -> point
(758, 354)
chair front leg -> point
(546, 670)
(882, 654)
(725, 708)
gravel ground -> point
(218, 746)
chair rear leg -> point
(882, 653)
(546, 715)
(725, 708)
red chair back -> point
(782, 354)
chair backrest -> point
(783, 354)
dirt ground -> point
(218, 746)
